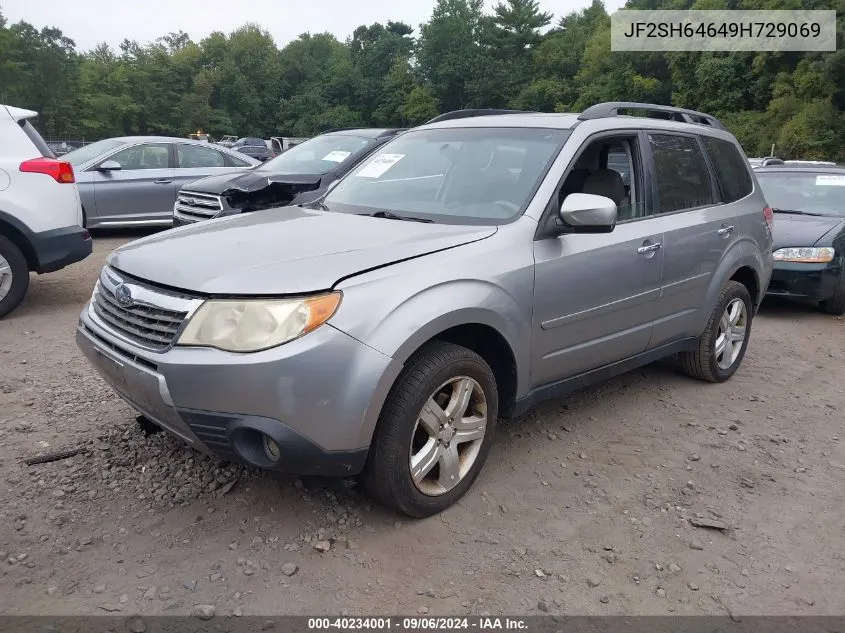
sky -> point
(89, 22)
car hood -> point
(248, 181)
(289, 250)
(802, 230)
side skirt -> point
(566, 386)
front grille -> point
(195, 206)
(141, 319)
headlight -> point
(809, 255)
(254, 325)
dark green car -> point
(809, 232)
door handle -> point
(726, 229)
(649, 248)
(163, 181)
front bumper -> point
(804, 282)
(317, 397)
(58, 248)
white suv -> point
(40, 212)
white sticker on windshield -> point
(830, 180)
(379, 165)
(337, 156)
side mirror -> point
(588, 213)
(109, 165)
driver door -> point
(596, 295)
(141, 191)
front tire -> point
(14, 276)
(722, 346)
(836, 303)
(434, 432)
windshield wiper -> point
(317, 204)
(389, 215)
(796, 212)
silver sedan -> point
(133, 180)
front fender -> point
(743, 253)
(404, 327)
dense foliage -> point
(393, 75)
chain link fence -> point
(64, 144)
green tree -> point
(420, 106)
(242, 83)
(448, 53)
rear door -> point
(141, 191)
(698, 228)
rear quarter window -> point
(234, 161)
(36, 139)
(731, 169)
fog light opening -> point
(271, 449)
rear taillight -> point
(770, 217)
(58, 170)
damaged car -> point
(298, 176)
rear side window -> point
(36, 139)
(682, 175)
(731, 169)
(191, 156)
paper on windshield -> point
(337, 156)
(379, 165)
(830, 180)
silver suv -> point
(468, 269)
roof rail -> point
(340, 129)
(612, 108)
(385, 131)
(470, 112)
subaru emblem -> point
(123, 295)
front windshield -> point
(451, 175)
(87, 152)
(809, 192)
(317, 155)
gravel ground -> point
(651, 494)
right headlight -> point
(807, 254)
(252, 325)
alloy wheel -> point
(733, 328)
(448, 435)
(6, 277)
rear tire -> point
(446, 461)
(720, 351)
(836, 303)
(14, 276)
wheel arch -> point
(743, 263)
(17, 232)
(478, 329)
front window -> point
(147, 156)
(451, 175)
(318, 155)
(88, 152)
(804, 192)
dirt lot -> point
(584, 505)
